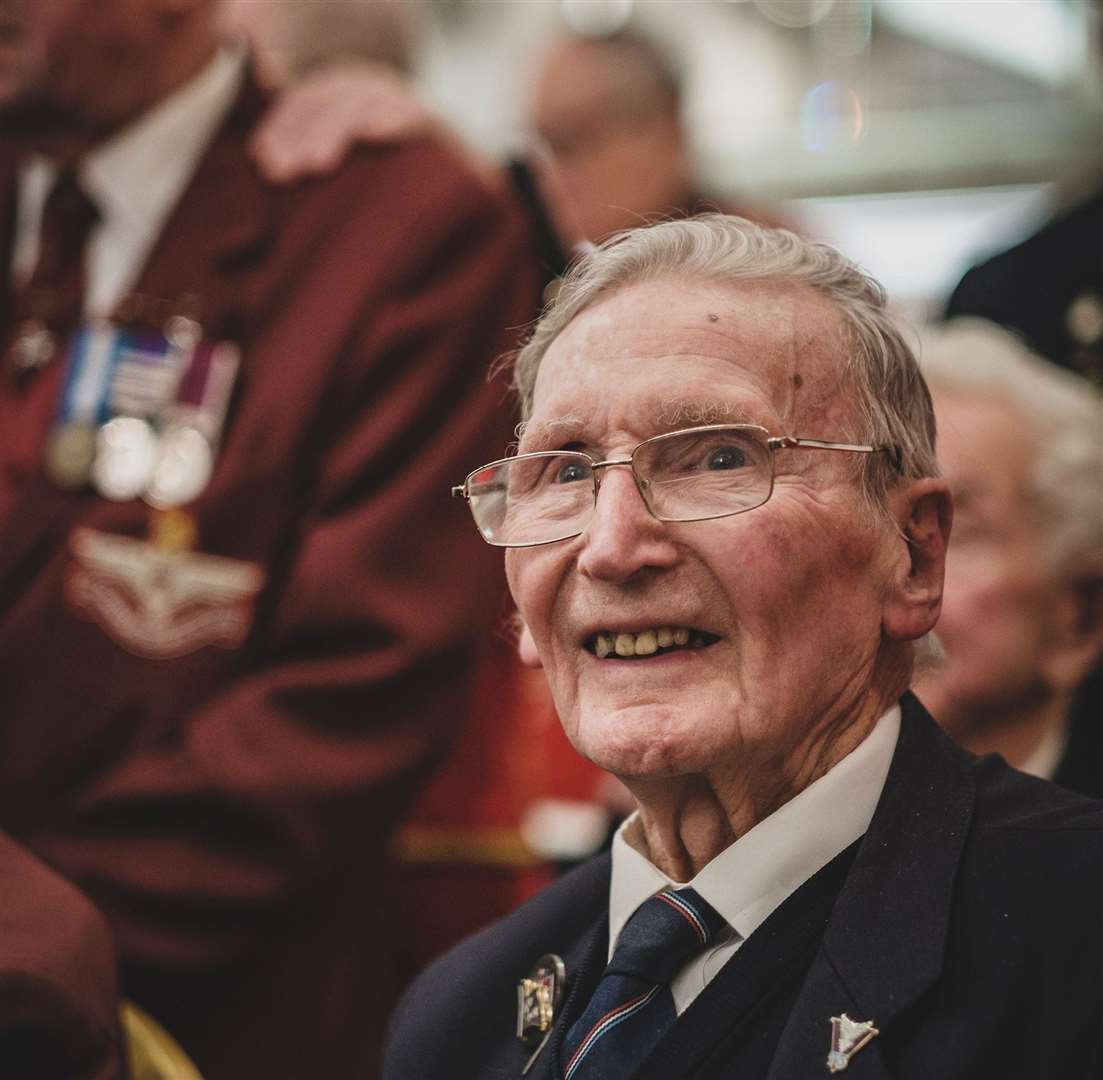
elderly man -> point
(1021, 443)
(724, 532)
(236, 621)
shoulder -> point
(1058, 253)
(58, 993)
(463, 1006)
(401, 194)
(1039, 821)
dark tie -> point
(632, 1007)
(50, 304)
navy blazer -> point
(966, 926)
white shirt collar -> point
(1045, 758)
(750, 878)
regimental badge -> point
(155, 597)
(847, 1038)
(538, 996)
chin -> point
(644, 742)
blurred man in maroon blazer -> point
(58, 1010)
(235, 607)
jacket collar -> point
(886, 940)
(225, 221)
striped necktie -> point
(632, 1007)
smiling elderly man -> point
(725, 533)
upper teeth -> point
(642, 644)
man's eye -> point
(570, 472)
(725, 457)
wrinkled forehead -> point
(703, 352)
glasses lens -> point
(532, 499)
(707, 472)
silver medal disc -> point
(126, 451)
(182, 469)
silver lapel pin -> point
(847, 1038)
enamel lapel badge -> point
(847, 1038)
(538, 998)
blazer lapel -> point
(885, 943)
(585, 964)
(224, 223)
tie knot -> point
(68, 204)
(665, 932)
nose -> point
(622, 538)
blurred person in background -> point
(1049, 287)
(610, 111)
(1021, 444)
(610, 149)
(236, 616)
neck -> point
(685, 822)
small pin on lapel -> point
(538, 997)
(847, 1038)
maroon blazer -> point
(59, 1014)
(228, 804)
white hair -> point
(1064, 414)
(892, 399)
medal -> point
(141, 412)
(126, 450)
(182, 467)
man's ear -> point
(923, 511)
(527, 647)
(1074, 638)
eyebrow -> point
(544, 432)
(670, 414)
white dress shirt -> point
(1045, 758)
(749, 879)
(135, 179)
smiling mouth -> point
(640, 645)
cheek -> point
(532, 578)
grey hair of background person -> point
(893, 402)
(1063, 417)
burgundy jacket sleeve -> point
(58, 1004)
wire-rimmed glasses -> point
(695, 474)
